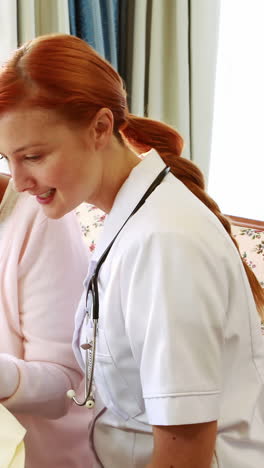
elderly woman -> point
(43, 263)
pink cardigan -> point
(42, 266)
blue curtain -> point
(125, 41)
(97, 22)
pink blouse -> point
(42, 266)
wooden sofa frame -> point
(247, 223)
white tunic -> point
(179, 339)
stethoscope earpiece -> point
(71, 394)
(90, 403)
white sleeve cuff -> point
(175, 410)
(9, 375)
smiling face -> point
(50, 159)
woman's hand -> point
(186, 446)
(9, 375)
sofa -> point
(248, 233)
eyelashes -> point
(34, 157)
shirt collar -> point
(132, 190)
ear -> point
(102, 128)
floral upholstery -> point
(91, 220)
(251, 245)
(250, 241)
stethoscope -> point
(92, 307)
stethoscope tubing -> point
(88, 399)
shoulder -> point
(168, 226)
(25, 221)
(177, 248)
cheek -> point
(62, 170)
(53, 174)
(64, 178)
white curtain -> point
(8, 40)
(38, 17)
(8, 28)
(22, 20)
(173, 68)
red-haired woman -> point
(171, 310)
(43, 263)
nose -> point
(22, 179)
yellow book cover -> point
(12, 450)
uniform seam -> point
(181, 394)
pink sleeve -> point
(50, 275)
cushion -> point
(251, 246)
(91, 220)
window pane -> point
(237, 158)
(4, 166)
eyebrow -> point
(25, 147)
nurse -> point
(179, 365)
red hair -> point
(63, 73)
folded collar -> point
(131, 192)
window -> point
(4, 166)
(236, 177)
